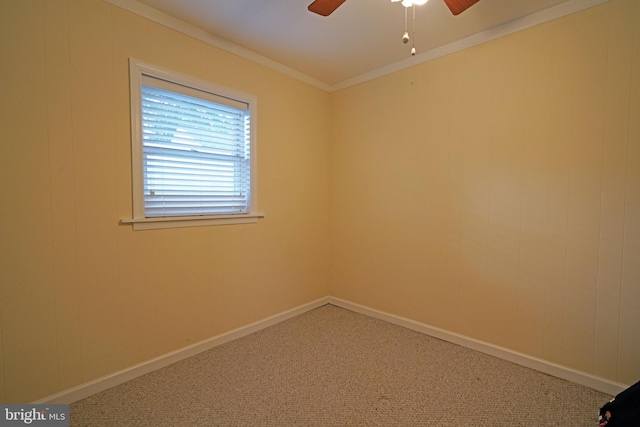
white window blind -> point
(196, 151)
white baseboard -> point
(100, 384)
(583, 378)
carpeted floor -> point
(334, 367)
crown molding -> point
(546, 15)
(185, 28)
(511, 27)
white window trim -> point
(136, 70)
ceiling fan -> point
(327, 7)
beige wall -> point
(81, 295)
(495, 192)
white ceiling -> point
(361, 36)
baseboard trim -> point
(583, 378)
(100, 384)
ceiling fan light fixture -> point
(409, 3)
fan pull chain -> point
(413, 32)
(405, 36)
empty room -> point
(248, 213)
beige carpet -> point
(333, 367)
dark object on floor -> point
(623, 410)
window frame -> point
(138, 69)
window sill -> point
(190, 221)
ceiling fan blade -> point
(459, 6)
(325, 7)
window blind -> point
(196, 152)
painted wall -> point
(495, 192)
(81, 295)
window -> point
(193, 151)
